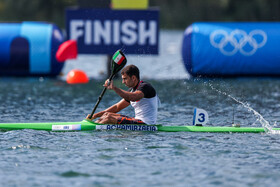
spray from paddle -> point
(264, 123)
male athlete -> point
(141, 95)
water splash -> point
(265, 124)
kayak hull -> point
(89, 126)
(51, 126)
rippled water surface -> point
(121, 158)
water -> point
(120, 158)
(264, 123)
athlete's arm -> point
(129, 96)
(114, 109)
(118, 106)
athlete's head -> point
(130, 76)
(131, 70)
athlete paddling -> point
(141, 95)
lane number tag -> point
(200, 117)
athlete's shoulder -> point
(148, 90)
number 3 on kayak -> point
(200, 117)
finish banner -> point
(103, 31)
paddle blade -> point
(118, 62)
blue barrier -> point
(232, 49)
(29, 48)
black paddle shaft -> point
(118, 62)
(100, 97)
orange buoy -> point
(76, 76)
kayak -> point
(86, 125)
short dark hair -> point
(131, 70)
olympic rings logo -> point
(238, 40)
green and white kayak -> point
(86, 125)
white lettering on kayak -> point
(127, 127)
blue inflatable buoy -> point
(232, 49)
(29, 49)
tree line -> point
(176, 14)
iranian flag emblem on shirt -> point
(118, 58)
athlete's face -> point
(129, 81)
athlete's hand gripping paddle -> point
(118, 62)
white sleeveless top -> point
(146, 109)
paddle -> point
(118, 62)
